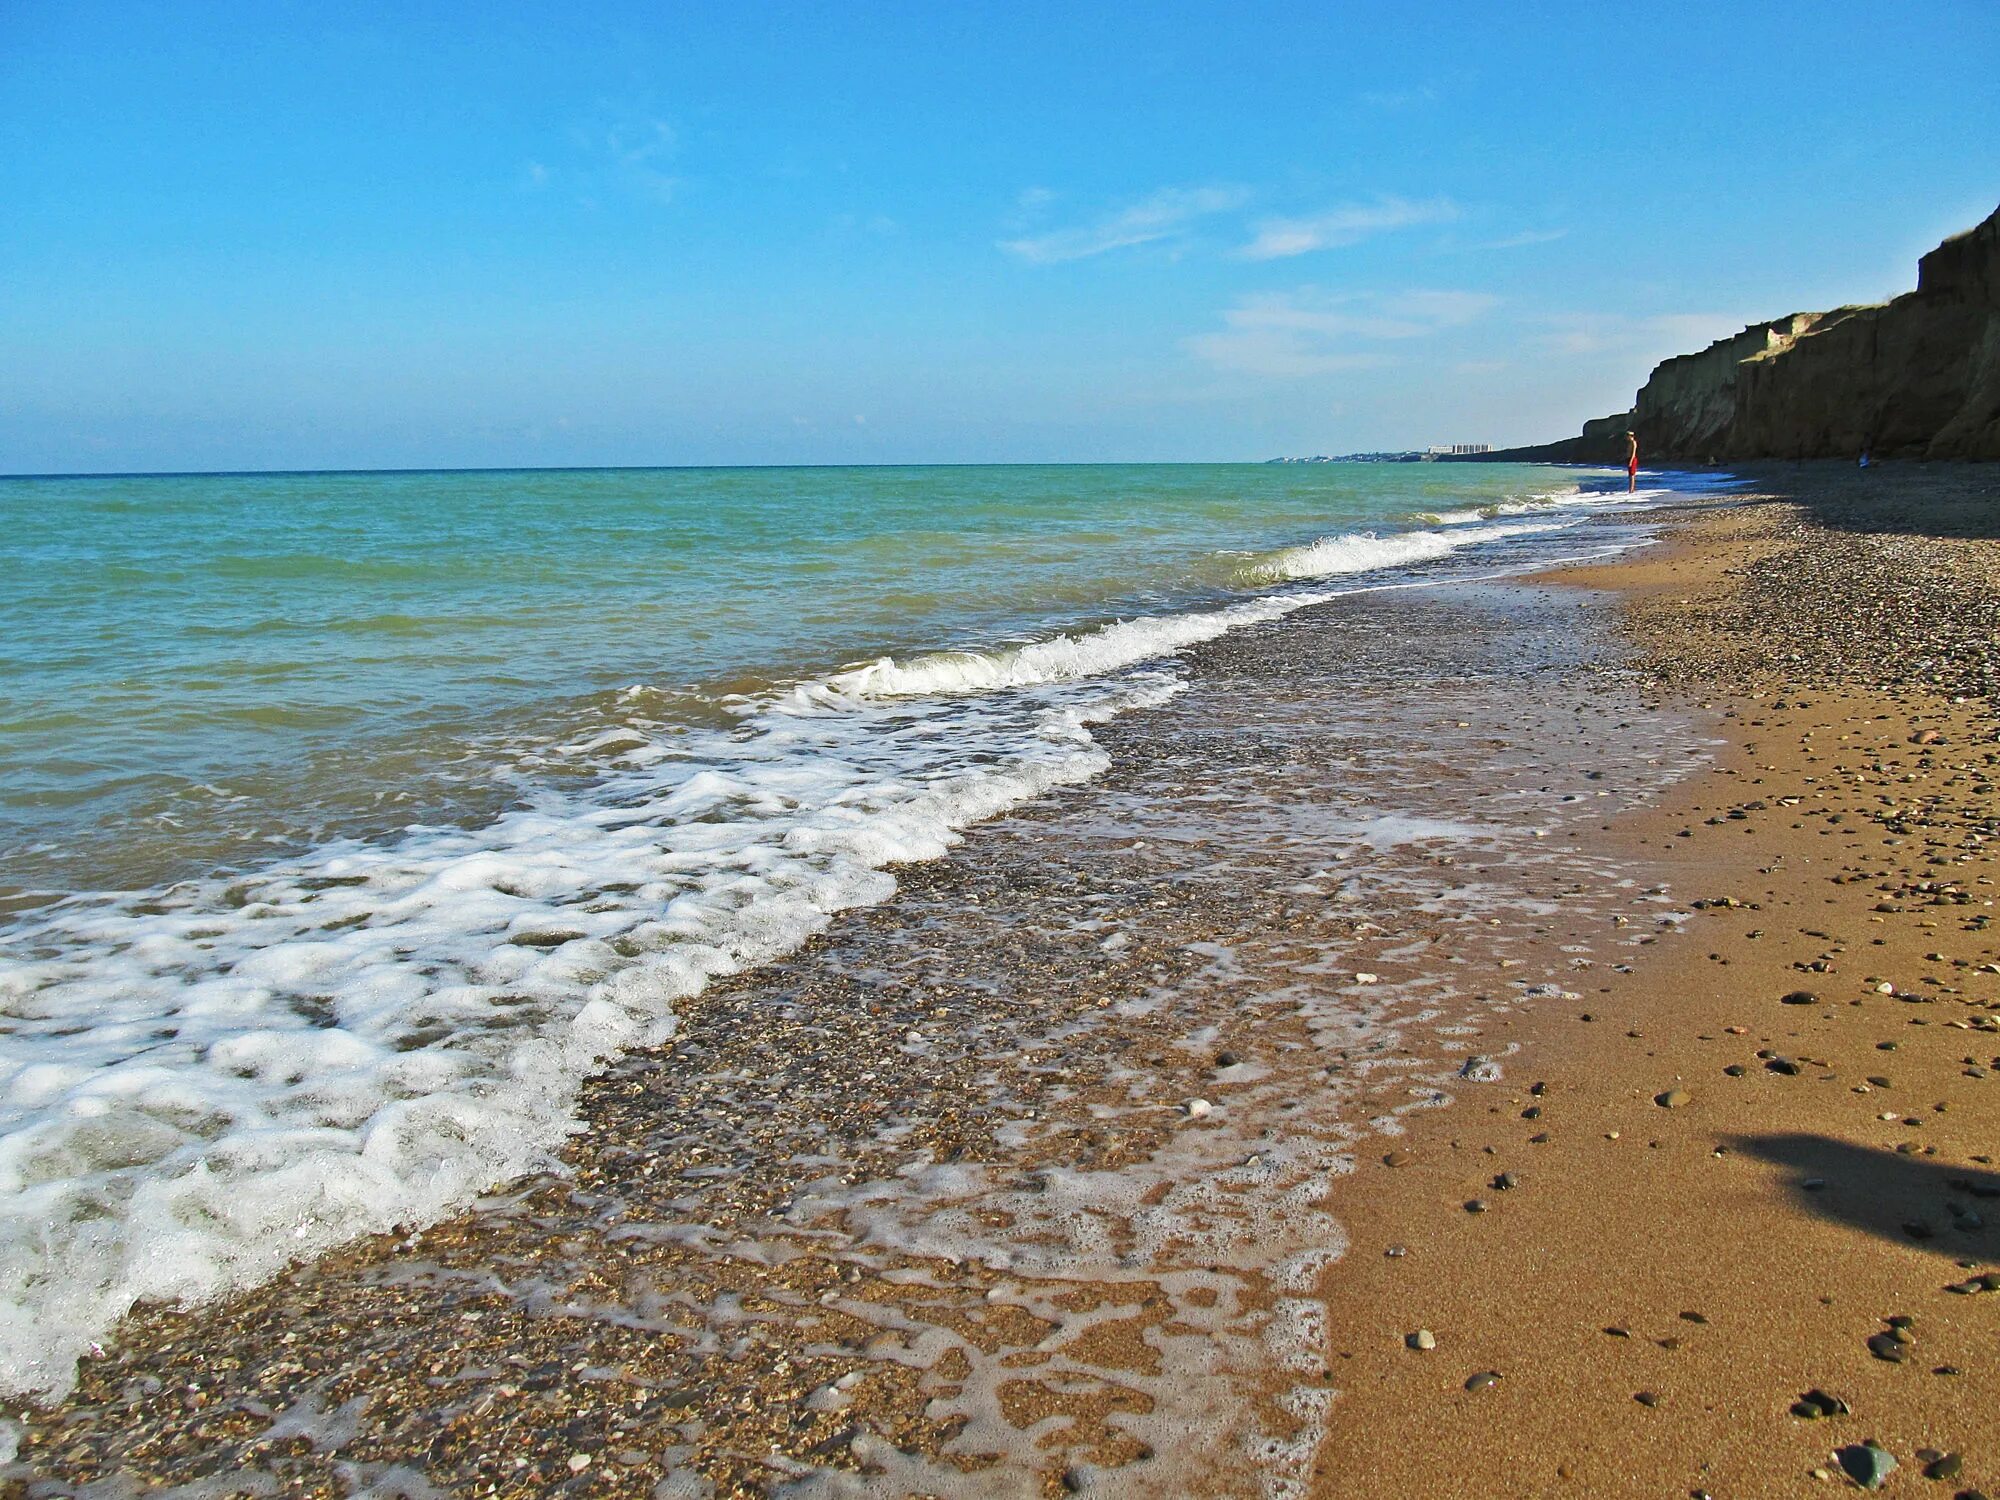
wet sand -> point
(1737, 1164)
(1065, 1170)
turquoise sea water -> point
(198, 670)
(351, 821)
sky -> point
(283, 236)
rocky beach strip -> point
(1559, 1065)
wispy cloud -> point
(1657, 337)
(1344, 224)
(1525, 237)
(1166, 214)
(1293, 334)
(1399, 98)
(641, 149)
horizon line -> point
(1058, 463)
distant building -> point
(1454, 449)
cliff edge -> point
(1916, 377)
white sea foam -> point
(1364, 552)
(201, 1083)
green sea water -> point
(349, 822)
(199, 671)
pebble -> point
(1799, 997)
(1482, 1380)
(1867, 1464)
(1475, 1205)
(1944, 1466)
(1227, 1059)
(1195, 1109)
(1397, 1159)
(1423, 1338)
(1673, 1099)
(1646, 1398)
(1887, 1347)
(1506, 1181)
(1816, 1403)
(1783, 1065)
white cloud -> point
(631, 152)
(1346, 224)
(1161, 215)
(1292, 334)
(1399, 98)
(1657, 337)
(1525, 237)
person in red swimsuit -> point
(1631, 463)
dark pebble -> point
(1482, 1380)
(1886, 1346)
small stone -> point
(1887, 1347)
(1397, 1159)
(1505, 1182)
(1646, 1398)
(578, 1462)
(1866, 1464)
(1799, 997)
(1736, 1070)
(1475, 1205)
(1673, 1099)
(1618, 1332)
(1945, 1466)
(1816, 1403)
(1482, 1380)
(1227, 1059)
(1396, 1252)
(1423, 1338)
(1196, 1109)
(1878, 1080)
(1782, 1065)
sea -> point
(353, 822)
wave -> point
(202, 1083)
(1364, 552)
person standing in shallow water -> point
(1631, 463)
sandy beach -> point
(1741, 1168)
(1549, 1107)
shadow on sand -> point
(1897, 498)
(1913, 1200)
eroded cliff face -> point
(1918, 377)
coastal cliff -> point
(1915, 377)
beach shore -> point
(1423, 968)
(1761, 1163)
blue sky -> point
(279, 235)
